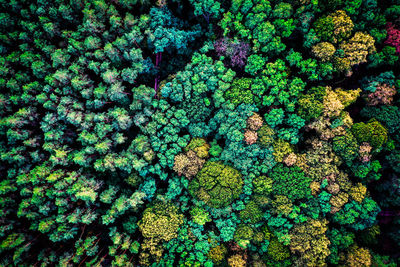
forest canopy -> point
(200, 133)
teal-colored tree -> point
(207, 8)
(358, 216)
(167, 32)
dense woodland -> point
(200, 133)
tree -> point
(341, 240)
(262, 185)
(358, 257)
(216, 184)
(243, 235)
(393, 36)
(200, 216)
(371, 132)
(198, 133)
(251, 212)
(167, 33)
(254, 122)
(335, 27)
(346, 147)
(290, 182)
(266, 136)
(357, 48)
(277, 251)
(160, 222)
(252, 21)
(237, 51)
(217, 253)
(310, 241)
(207, 8)
(236, 261)
(241, 92)
(250, 137)
(358, 216)
(311, 104)
(188, 164)
(281, 150)
(383, 94)
(324, 51)
(255, 64)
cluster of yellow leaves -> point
(310, 242)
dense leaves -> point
(199, 133)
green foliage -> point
(370, 235)
(356, 215)
(346, 147)
(290, 181)
(166, 34)
(263, 185)
(381, 260)
(200, 216)
(275, 117)
(281, 150)
(251, 212)
(199, 133)
(334, 27)
(201, 76)
(277, 251)
(255, 63)
(259, 22)
(241, 92)
(340, 241)
(207, 8)
(70, 188)
(216, 184)
(215, 149)
(371, 132)
(311, 104)
(160, 222)
(243, 235)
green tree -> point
(160, 222)
(290, 182)
(371, 132)
(334, 27)
(346, 147)
(216, 184)
(251, 212)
